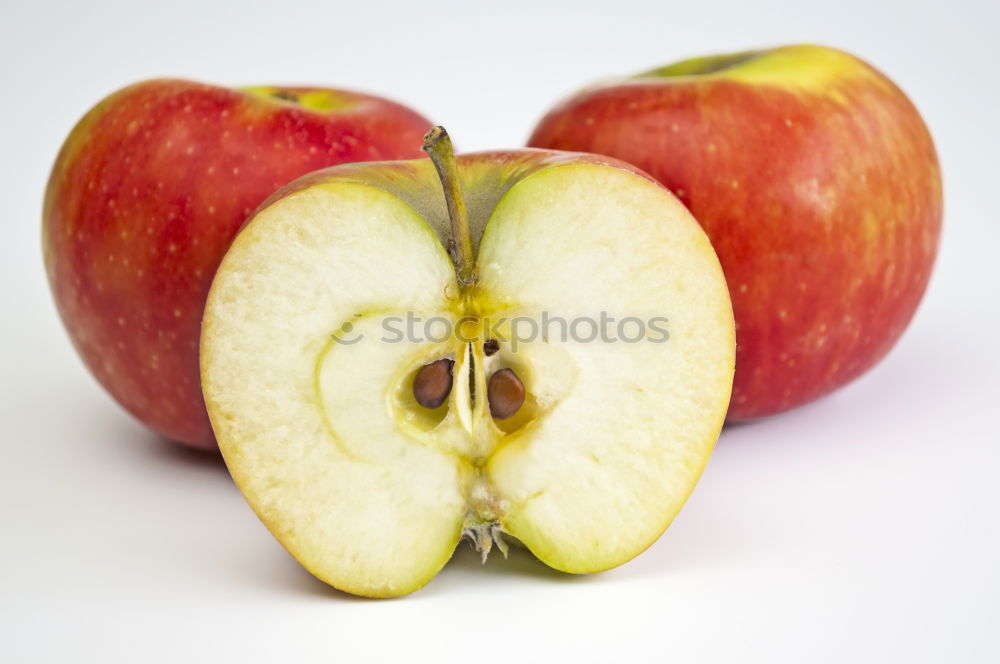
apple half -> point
(369, 450)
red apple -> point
(818, 184)
(144, 199)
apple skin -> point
(816, 180)
(144, 199)
(485, 176)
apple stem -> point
(438, 146)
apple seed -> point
(505, 394)
(491, 347)
(432, 384)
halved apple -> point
(560, 378)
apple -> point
(370, 447)
(146, 195)
(818, 184)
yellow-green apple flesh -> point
(313, 402)
(816, 180)
(146, 195)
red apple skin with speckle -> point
(144, 199)
(818, 184)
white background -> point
(861, 528)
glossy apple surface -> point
(145, 197)
(816, 180)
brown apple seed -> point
(432, 384)
(491, 347)
(505, 394)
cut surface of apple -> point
(309, 372)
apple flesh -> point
(145, 197)
(818, 184)
(316, 409)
